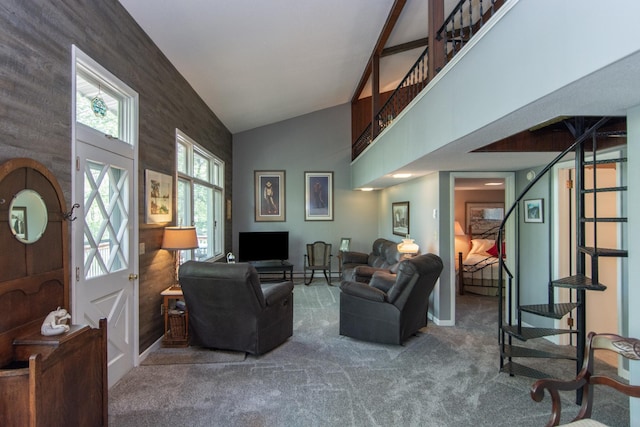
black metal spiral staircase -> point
(584, 280)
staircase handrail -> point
(587, 134)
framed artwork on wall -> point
(269, 189)
(400, 218)
(483, 216)
(533, 210)
(318, 196)
(158, 197)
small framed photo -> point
(345, 244)
(269, 188)
(158, 197)
(400, 218)
(19, 221)
(533, 210)
(318, 196)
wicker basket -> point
(177, 326)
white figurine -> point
(55, 323)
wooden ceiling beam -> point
(404, 47)
(392, 18)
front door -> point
(105, 280)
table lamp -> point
(408, 247)
(178, 239)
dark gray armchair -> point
(390, 308)
(230, 310)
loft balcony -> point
(526, 64)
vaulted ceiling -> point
(260, 62)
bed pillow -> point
(493, 250)
(481, 246)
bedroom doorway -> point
(468, 191)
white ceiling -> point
(260, 62)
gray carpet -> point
(191, 356)
(445, 376)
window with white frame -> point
(200, 187)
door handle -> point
(133, 277)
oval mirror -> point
(28, 216)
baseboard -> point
(153, 347)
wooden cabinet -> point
(46, 381)
(56, 380)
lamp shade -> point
(408, 246)
(178, 238)
(458, 229)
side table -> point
(176, 320)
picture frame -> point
(400, 218)
(158, 197)
(345, 244)
(533, 210)
(318, 196)
(483, 216)
(19, 222)
(269, 192)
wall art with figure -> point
(269, 189)
(318, 196)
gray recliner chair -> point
(390, 308)
(230, 310)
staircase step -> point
(608, 252)
(579, 281)
(532, 333)
(517, 351)
(605, 161)
(603, 190)
(609, 219)
(517, 369)
(555, 311)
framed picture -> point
(19, 221)
(400, 218)
(533, 210)
(345, 244)
(483, 216)
(318, 196)
(269, 194)
(158, 197)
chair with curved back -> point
(628, 348)
(318, 257)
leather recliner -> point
(359, 267)
(229, 309)
(390, 308)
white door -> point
(104, 248)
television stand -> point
(274, 266)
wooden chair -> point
(586, 379)
(318, 257)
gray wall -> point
(319, 141)
(35, 108)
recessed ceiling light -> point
(493, 183)
(401, 175)
(366, 189)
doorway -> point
(470, 182)
(105, 232)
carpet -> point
(444, 376)
(191, 356)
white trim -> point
(131, 126)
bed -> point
(478, 272)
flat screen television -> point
(263, 245)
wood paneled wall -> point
(35, 109)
